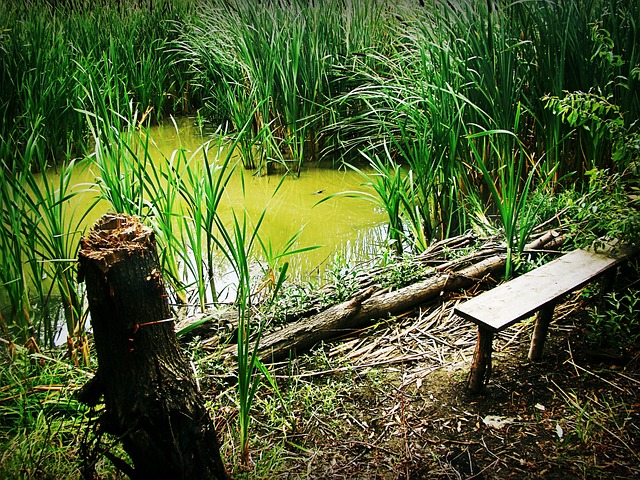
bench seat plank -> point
(519, 298)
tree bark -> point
(152, 402)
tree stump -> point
(152, 402)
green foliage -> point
(396, 191)
(391, 195)
(238, 244)
(51, 55)
(605, 110)
(403, 82)
(465, 110)
(615, 325)
(402, 273)
(276, 270)
(603, 120)
(452, 114)
(604, 212)
(341, 279)
(42, 425)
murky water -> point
(344, 228)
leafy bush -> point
(615, 325)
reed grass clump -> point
(461, 98)
(276, 67)
(53, 53)
(40, 238)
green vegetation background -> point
(486, 115)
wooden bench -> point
(535, 291)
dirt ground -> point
(389, 402)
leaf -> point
(496, 421)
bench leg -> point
(481, 365)
(545, 314)
(607, 283)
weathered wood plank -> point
(521, 297)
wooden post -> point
(152, 403)
(543, 318)
(481, 366)
(607, 283)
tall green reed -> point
(203, 182)
(239, 243)
(508, 184)
(44, 47)
(36, 81)
(55, 232)
(388, 183)
(132, 180)
(40, 241)
(162, 187)
(577, 47)
(236, 51)
(14, 279)
(121, 169)
(406, 110)
(178, 195)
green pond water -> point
(348, 230)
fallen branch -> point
(370, 305)
(374, 301)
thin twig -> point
(597, 376)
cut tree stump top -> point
(519, 298)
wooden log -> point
(362, 310)
(327, 324)
(543, 319)
(481, 263)
(480, 372)
(152, 404)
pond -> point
(349, 229)
(345, 230)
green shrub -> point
(616, 326)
